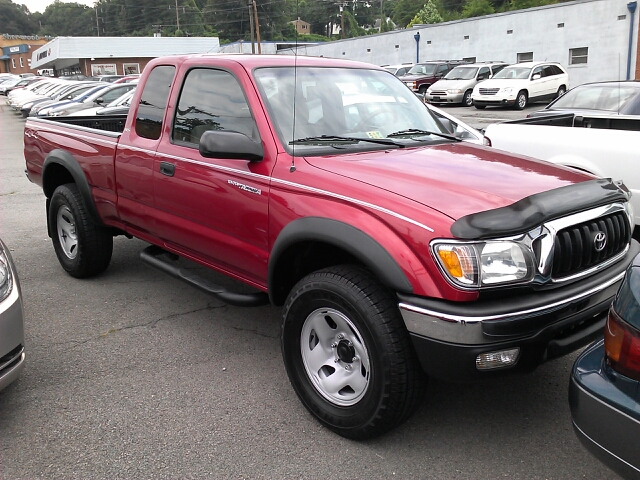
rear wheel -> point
(348, 354)
(521, 100)
(561, 91)
(479, 107)
(83, 248)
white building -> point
(595, 40)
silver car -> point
(457, 85)
(11, 320)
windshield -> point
(428, 69)
(513, 72)
(462, 73)
(596, 97)
(348, 103)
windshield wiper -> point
(412, 132)
(336, 139)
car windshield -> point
(350, 106)
(513, 72)
(596, 97)
(462, 73)
(428, 69)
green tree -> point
(404, 11)
(428, 14)
(68, 19)
(477, 8)
(16, 20)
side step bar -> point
(150, 256)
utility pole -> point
(97, 24)
(250, 5)
(178, 18)
(255, 13)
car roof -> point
(533, 64)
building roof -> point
(120, 47)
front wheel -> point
(521, 100)
(348, 354)
(83, 248)
(561, 91)
(467, 101)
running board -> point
(150, 256)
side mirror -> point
(232, 145)
(537, 76)
(99, 101)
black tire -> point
(561, 91)
(521, 100)
(479, 107)
(467, 101)
(373, 336)
(83, 248)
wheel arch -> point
(327, 242)
(59, 168)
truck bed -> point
(109, 123)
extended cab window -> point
(154, 102)
(211, 100)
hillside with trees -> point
(230, 19)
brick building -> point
(16, 50)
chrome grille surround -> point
(488, 91)
(540, 243)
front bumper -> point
(605, 409)
(546, 324)
(11, 331)
(494, 100)
(444, 98)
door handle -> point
(167, 169)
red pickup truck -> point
(398, 252)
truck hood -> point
(455, 179)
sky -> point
(40, 5)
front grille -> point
(575, 246)
(488, 91)
(438, 92)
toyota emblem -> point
(600, 241)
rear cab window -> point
(153, 102)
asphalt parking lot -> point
(133, 374)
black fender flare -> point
(70, 164)
(347, 237)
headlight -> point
(6, 280)
(27, 105)
(630, 213)
(507, 90)
(454, 91)
(57, 114)
(483, 264)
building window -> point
(509, 32)
(368, 49)
(13, 63)
(466, 37)
(103, 69)
(397, 46)
(622, 17)
(469, 59)
(21, 62)
(428, 42)
(131, 68)
(561, 25)
(578, 56)
(525, 57)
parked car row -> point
(485, 84)
(58, 97)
